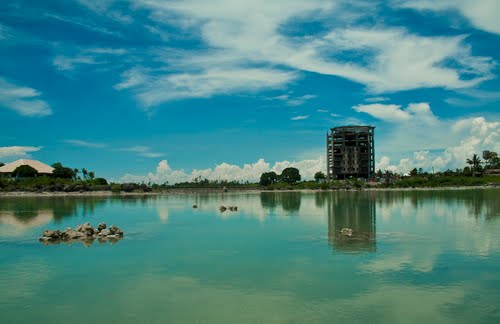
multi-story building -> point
(350, 152)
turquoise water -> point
(415, 256)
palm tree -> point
(91, 175)
(75, 170)
(475, 164)
(84, 173)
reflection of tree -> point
(25, 209)
(479, 202)
(289, 201)
(354, 210)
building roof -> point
(37, 165)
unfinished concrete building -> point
(350, 152)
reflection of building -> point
(350, 152)
(355, 211)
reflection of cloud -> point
(16, 226)
(392, 303)
(433, 223)
(22, 280)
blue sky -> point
(169, 90)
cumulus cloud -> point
(475, 135)
(18, 151)
(482, 14)
(23, 100)
(225, 171)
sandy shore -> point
(184, 191)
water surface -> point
(415, 256)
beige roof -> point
(37, 165)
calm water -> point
(416, 257)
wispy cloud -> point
(84, 24)
(483, 14)
(83, 143)
(89, 56)
(300, 117)
(394, 59)
(322, 110)
(144, 151)
(291, 100)
(23, 100)
(18, 151)
(3, 32)
(376, 99)
(153, 90)
(416, 112)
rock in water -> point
(346, 231)
(104, 232)
(195, 206)
(101, 226)
(84, 233)
(115, 230)
(222, 209)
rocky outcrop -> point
(84, 233)
(231, 208)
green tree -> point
(414, 172)
(62, 172)
(75, 170)
(319, 176)
(25, 171)
(91, 175)
(492, 160)
(475, 164)
(290, 175)
(84, 173)
(268, 178)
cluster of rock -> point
(85, 233)
(231, 208)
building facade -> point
(350, 152)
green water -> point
(415, 257)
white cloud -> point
(322, 110)
(483, 14)
(82, 143)
(393, 59)
(376, 99)
(473, 136)
(3, 32)
(144, 151)
(415, 112)
(23, 100)
(293, 101)
(153, 90)
(300, 117)
(90, 56)
(226, 171)
(18, 151)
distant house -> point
(42, 168)
(495, 172)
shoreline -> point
(212, 190)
